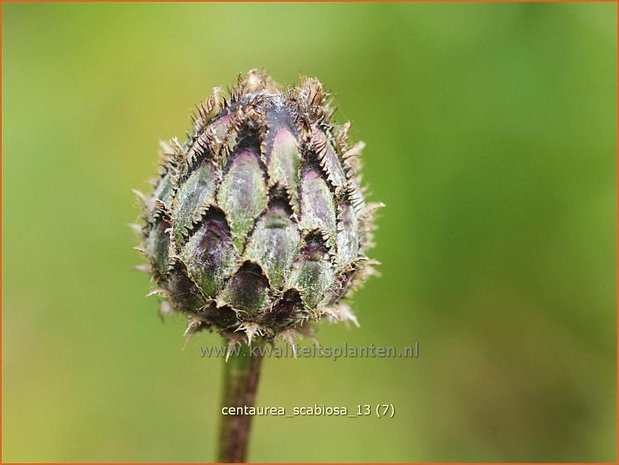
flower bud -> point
(257, 223)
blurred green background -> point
(490, 132)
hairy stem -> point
(241, 376)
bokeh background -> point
(490, 132)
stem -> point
(241, 376)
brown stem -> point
(241, 376)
